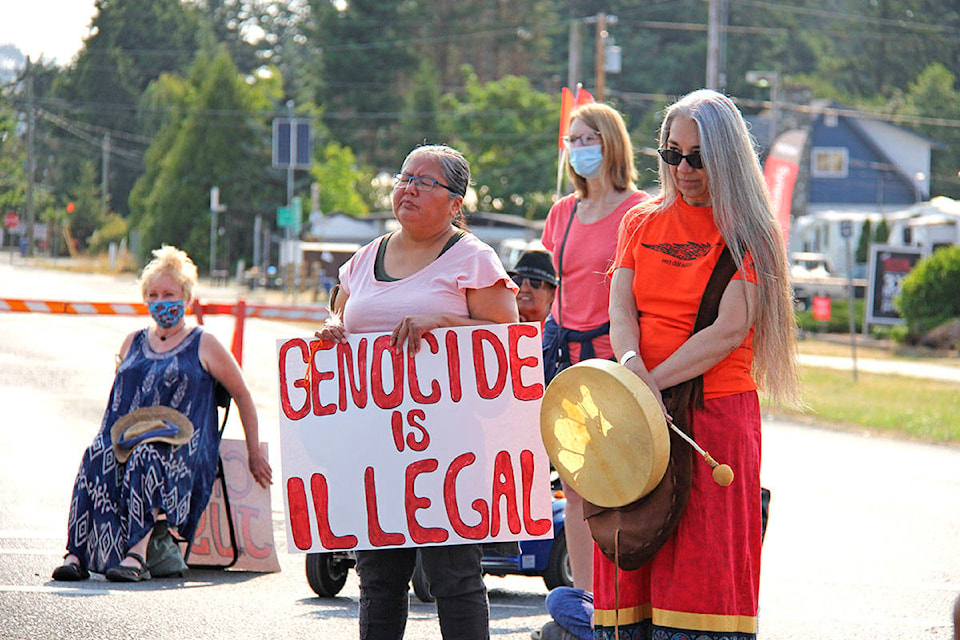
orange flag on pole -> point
(566, 106)
(583, 97)
(568, 102)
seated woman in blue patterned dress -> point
(120, 494)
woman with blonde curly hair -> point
(152, 463)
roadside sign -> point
(291, 143)
(11, 220)
(291, 217)
(889, 265)
(284, 217)
(821, 308)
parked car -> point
(812, 274)
(544, 558)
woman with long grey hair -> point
(704, 581)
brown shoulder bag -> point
(630, 535)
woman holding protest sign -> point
(153, 462)
(581, 231)
(713, 210)
(431, 273)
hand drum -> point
(604, 432)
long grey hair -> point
(744, 216)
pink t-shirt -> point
(440, 287)
(589, 253)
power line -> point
(900, 23)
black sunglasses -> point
(534, 284)
(673, 158)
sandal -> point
(121, 573)
(70, 572)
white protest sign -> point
(383, 449)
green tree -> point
(133, 43)
(509, 133)
(338, 176)
(367, 53)
(933, 95)
(421, 110)
(372, 53)
(258, 33)
(930, 293)
(881, 234)
(863, 244)
(162, 111)
(89, 211)
(12, 183)
(219, 142)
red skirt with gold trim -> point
(705, 581)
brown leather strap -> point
(686, 396)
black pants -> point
(456, 581)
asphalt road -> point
(862, 540)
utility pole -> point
(573, 55)
(28, 74)
(288, 232)
(215, 209)
(293, 160)
(105, 172)
(769, 79)
(717, 45)
(601, 50)
(602, 20)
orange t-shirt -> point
(673, 253)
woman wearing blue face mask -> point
(581, 231)
(153, 462)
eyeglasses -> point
(423, 183)
(534, 284)
(583, 140)
(673, 158)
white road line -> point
(20, 588)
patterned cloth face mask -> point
(166, 313)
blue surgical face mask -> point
(166, 313)
(587, 161)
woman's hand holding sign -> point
(410, 330)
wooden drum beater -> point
(722, 473)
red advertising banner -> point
(780, 173)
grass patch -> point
(834, 345)
(917, 408)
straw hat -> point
(604, 432)
(149, 424)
